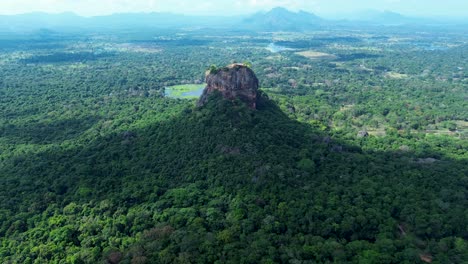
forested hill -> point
(224, 183)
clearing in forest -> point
(187, 91)
(396, 75)
(315, 55)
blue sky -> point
(427, 8)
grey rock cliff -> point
(235, 81)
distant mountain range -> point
(386, 18)
(114, 21)
(281, 19)
(277, 19)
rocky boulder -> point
(236, 81)
(362, 134)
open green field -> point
(187, 91)
(315, 55)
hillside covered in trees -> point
(227, 183)
(355, 151)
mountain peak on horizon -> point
(279, 10)
(282, 19)
(388, 17)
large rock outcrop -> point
(236, 81)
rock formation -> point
(362, 134)
(236, 81)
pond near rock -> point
(185, 91)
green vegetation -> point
(213, 69)
(98, 166)
(247, 64)
(188, 91)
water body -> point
(194, 93)
(181, 92)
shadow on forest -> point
(222, 139)
(224, 144)
(70, 57)
(317, 42)
(27, 45)
(46, 133)
(357, 56)
(175, 42)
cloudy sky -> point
(440, 8)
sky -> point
(424, 8)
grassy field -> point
(461, 129)
(187, 91)
(396, 75)
(315, 55)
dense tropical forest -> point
(357, 152)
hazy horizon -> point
(331, 8)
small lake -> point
(185, 91)
(196, 93)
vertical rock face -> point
(235, 81)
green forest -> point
(356, 153)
